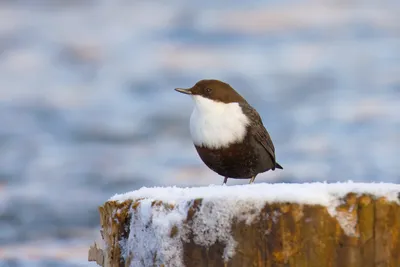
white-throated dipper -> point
(228, 133)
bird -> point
(228, 133)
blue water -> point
(87, 106)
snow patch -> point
(213, 221)
(151, 236)
(347, 222)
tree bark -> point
(365, 232)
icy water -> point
(88, 110)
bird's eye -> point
(208, 90)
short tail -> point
(278, 166)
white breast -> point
(215, 124)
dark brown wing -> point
(258, 130)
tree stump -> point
(288, 225)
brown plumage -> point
(228, 133)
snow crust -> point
(150, 230)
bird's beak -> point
(184, 91)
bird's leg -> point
(225, 180)
(252, 179)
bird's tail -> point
(278, 166)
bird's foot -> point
(252, 179)
(225, 180)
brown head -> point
(214, 90)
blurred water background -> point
(87, 107)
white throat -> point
(215, 124)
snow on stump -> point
(302, 225)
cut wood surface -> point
(310, 225)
